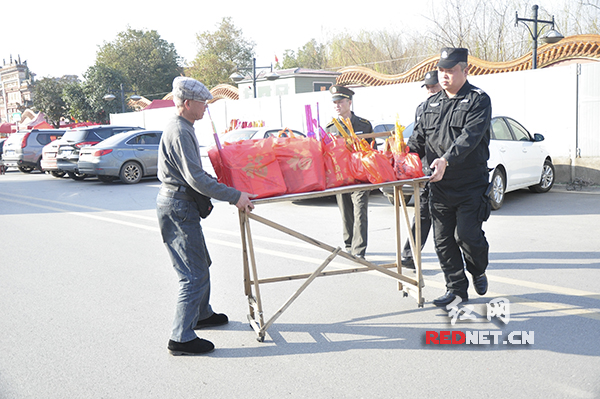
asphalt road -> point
(87, 297)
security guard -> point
(454, 134)
(353, 206)
(432, 86)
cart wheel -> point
(405, 294)
(261, 339)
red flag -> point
(276, 59)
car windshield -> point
(112, 140)
(15, 138)
(74, 135)
(237, 135)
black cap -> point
(431, 79)
(451, 56)
(340, 92)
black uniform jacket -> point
(457, 129)
(360, 125)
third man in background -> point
(353, 206)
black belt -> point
(177, 192)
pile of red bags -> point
(284, 165)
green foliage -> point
(85, 101)
(312, 55)
(220, 53)
(147, 63)
(48, 99)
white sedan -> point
(517, 160)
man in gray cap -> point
(353, 206)
(179, 209)
(454, 134)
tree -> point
(312, 55)
(220, 54)
(85, 101)
(47, 96)
(148, 63)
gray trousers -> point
(354, 208)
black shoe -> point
(448, 298)
(194, 347)
(408, 263)
(481, 284)
(217, 319)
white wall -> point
(545, 101)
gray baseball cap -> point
(190, 89)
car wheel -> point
(131, 173)
(77, 176)
(105, 179)
(58, 174)
(498, 189)
(547, 180)
(25, 169)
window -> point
(520, 133)
(145, 139)
(500, 131)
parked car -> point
(517, 160)
(73, 140)
(128, 156)
(24, 149)
(255, 133)
(48, 162)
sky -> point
(62, 37)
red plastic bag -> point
(378, 167)
(253, 168)
(301, 163)
(217, 163)
(337, 159)
(407, 165)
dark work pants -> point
(456, 214)
(354, 208)
(425, 222)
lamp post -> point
(552, 36)
(237, 77)
(110, 97)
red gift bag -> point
(407, 165)
(337, 159)
(253, 168)
(215, 159)
(378, 167)
(301, 163)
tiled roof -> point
(572, 48)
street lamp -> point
(553, 36)
(110, 97)
(237, 77)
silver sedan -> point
(128, 156)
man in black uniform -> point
(454, 134)
(433, 87)
(353, 206)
